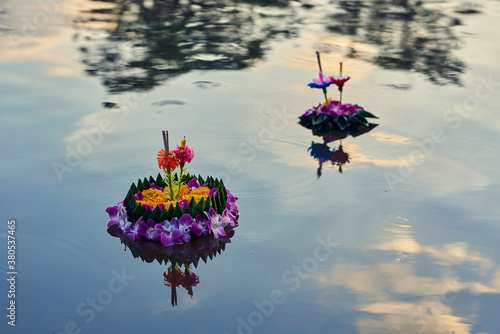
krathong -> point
(175, 208)
(333, 115)
(334, 120)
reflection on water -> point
(175, 277)
(413, 287)
(409, 35)
(323, 153)
(438, 273)
(336, 156)
(3, 17)
(136, 44)
(178, 256)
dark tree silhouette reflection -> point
(136, 44)
(408, 34)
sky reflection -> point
(223, 79)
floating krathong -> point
(177, 207)
(333, 115)
(334, 120)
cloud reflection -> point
(397, 295)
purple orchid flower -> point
(182, 203)
(154, 186)
(200, 226)
(334, 109)
(229, 217)
(139, 196)
(217, 223)
(117, 215)
(148, 230)
(182, 228)
(185, 226)
(164, 234)
(166, 239)
(194, 184)
(175, 233)
(231, 202)
(349, 109)
(321, 82)
(212, 192)
(133, 230)
(312, 111)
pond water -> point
(403, 240)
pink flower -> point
(184, 154)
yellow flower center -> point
(156, 197)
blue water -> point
(404, 240)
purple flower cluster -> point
(177, 231)
(332, 108)
(187, 253)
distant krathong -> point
(175, 208)
(334, 115)
(334, 120)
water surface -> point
(412, 220)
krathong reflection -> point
(334, 120)
(180, 259)
(176, 277)
(322, 152)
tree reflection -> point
(409, 36)
(136, 44)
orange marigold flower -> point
(167, 161)
(155, 197)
